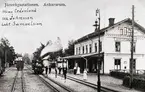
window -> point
(117, 46)
(134, 46)
(90, 46)
(121, 30)
(83, 49)
(129, 31)
(79, 50)
(95, 47)
(100, 47)
(117, 64)
(125, 30)
(76, 50)
(86, 48)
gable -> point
(124, 29)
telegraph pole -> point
(132, 48)
(99, 61)
(97, 25)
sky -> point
(72, 21)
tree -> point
(11, 55)
(8, 51)
(26, 58)
(70, 50)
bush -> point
(126, 81)
(118, 74)
(138, 83)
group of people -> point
(56, 67)
(77, 71)
(61, 69)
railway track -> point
(58, 87)
(50, 83)
(18, 83)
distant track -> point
(14, 82)
(21, 80)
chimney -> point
(111, 21)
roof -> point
(83, 56)
(102, 31)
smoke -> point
(54, 47)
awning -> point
(84, 55)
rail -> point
(103, 89)
(13, 89)
(55, 86)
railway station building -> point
(115, 48)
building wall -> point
(87, 42)
(109, 62)
(121, 33)
(115, 34)
(125, 62)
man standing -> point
(49, 66)
(49, 69)
(64, 69)
(55, 69)
(59, 67)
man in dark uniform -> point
(55, 69)
(64, 70)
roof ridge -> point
(95, 33)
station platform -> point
(106, 81)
